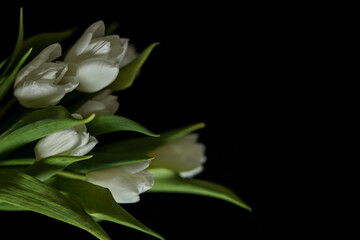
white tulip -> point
(185, 156)
(125, 182)
(103, 103)
(75, 141)
(98, 57)
(42, 83)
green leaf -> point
(99, 203)
(29, 193)
(111, 123)
(8, 81)
(9, 207)
(145, 144)
(48, 167)
(40, 41)
(128, 73)
(18, 45)
(2, 64)
(35, 125)
(169, 181)
(17, 162)
(106, 160)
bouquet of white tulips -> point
(53, 106)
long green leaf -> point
(99, 203)
(29, 193)
(36, 125)
(48, 167)
(111, 123)
(8, 81)
(17, 162)
(128, 73)
(144, 145)
(9, 207)
(2, 64)
(169, 181)
(18, 45)
(106, 160)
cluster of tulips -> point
(53, 108)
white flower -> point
(185, 156)
(73, 141)
(98, 57)
(102, 103)
(125, 182)
(42, 83)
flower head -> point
(75, 141)
(125, 182)
(42, 83)
(185, 156)
(102, 103)
(98, 57)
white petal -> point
(84, 149)
(49, 54)
(130, 55)
(57, 143)
(96, 74)
(41, 94)
(183, 155)
(125, 182)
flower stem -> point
(7, 106)
(72, 175)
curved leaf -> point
(128, 73)
(99, 203)
(35, 125)
(9, 207)
(18, 45)
(111, 123)
(145, 144)
(106, 160)
(169, 181)
(48, 167)
(24, 191)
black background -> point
(251, 72)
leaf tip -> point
(90, 118)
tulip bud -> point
(98, 58)
(125, 182)
(42, 83)
(185, 156)
(73, 141)
(103, 103)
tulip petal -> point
(125, 182)
(96, 74)
(47, 55)
(37, 94)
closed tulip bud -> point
(98, 58)
(42, 83)
(75, 141)
(185, 156)
(103, 103)
(125, 182)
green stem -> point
(7, 106)
(72, 175)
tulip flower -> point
(125, 182)
(75, 141)
(98, 58)
(185, 156)
(42, 83)
(102, 103)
